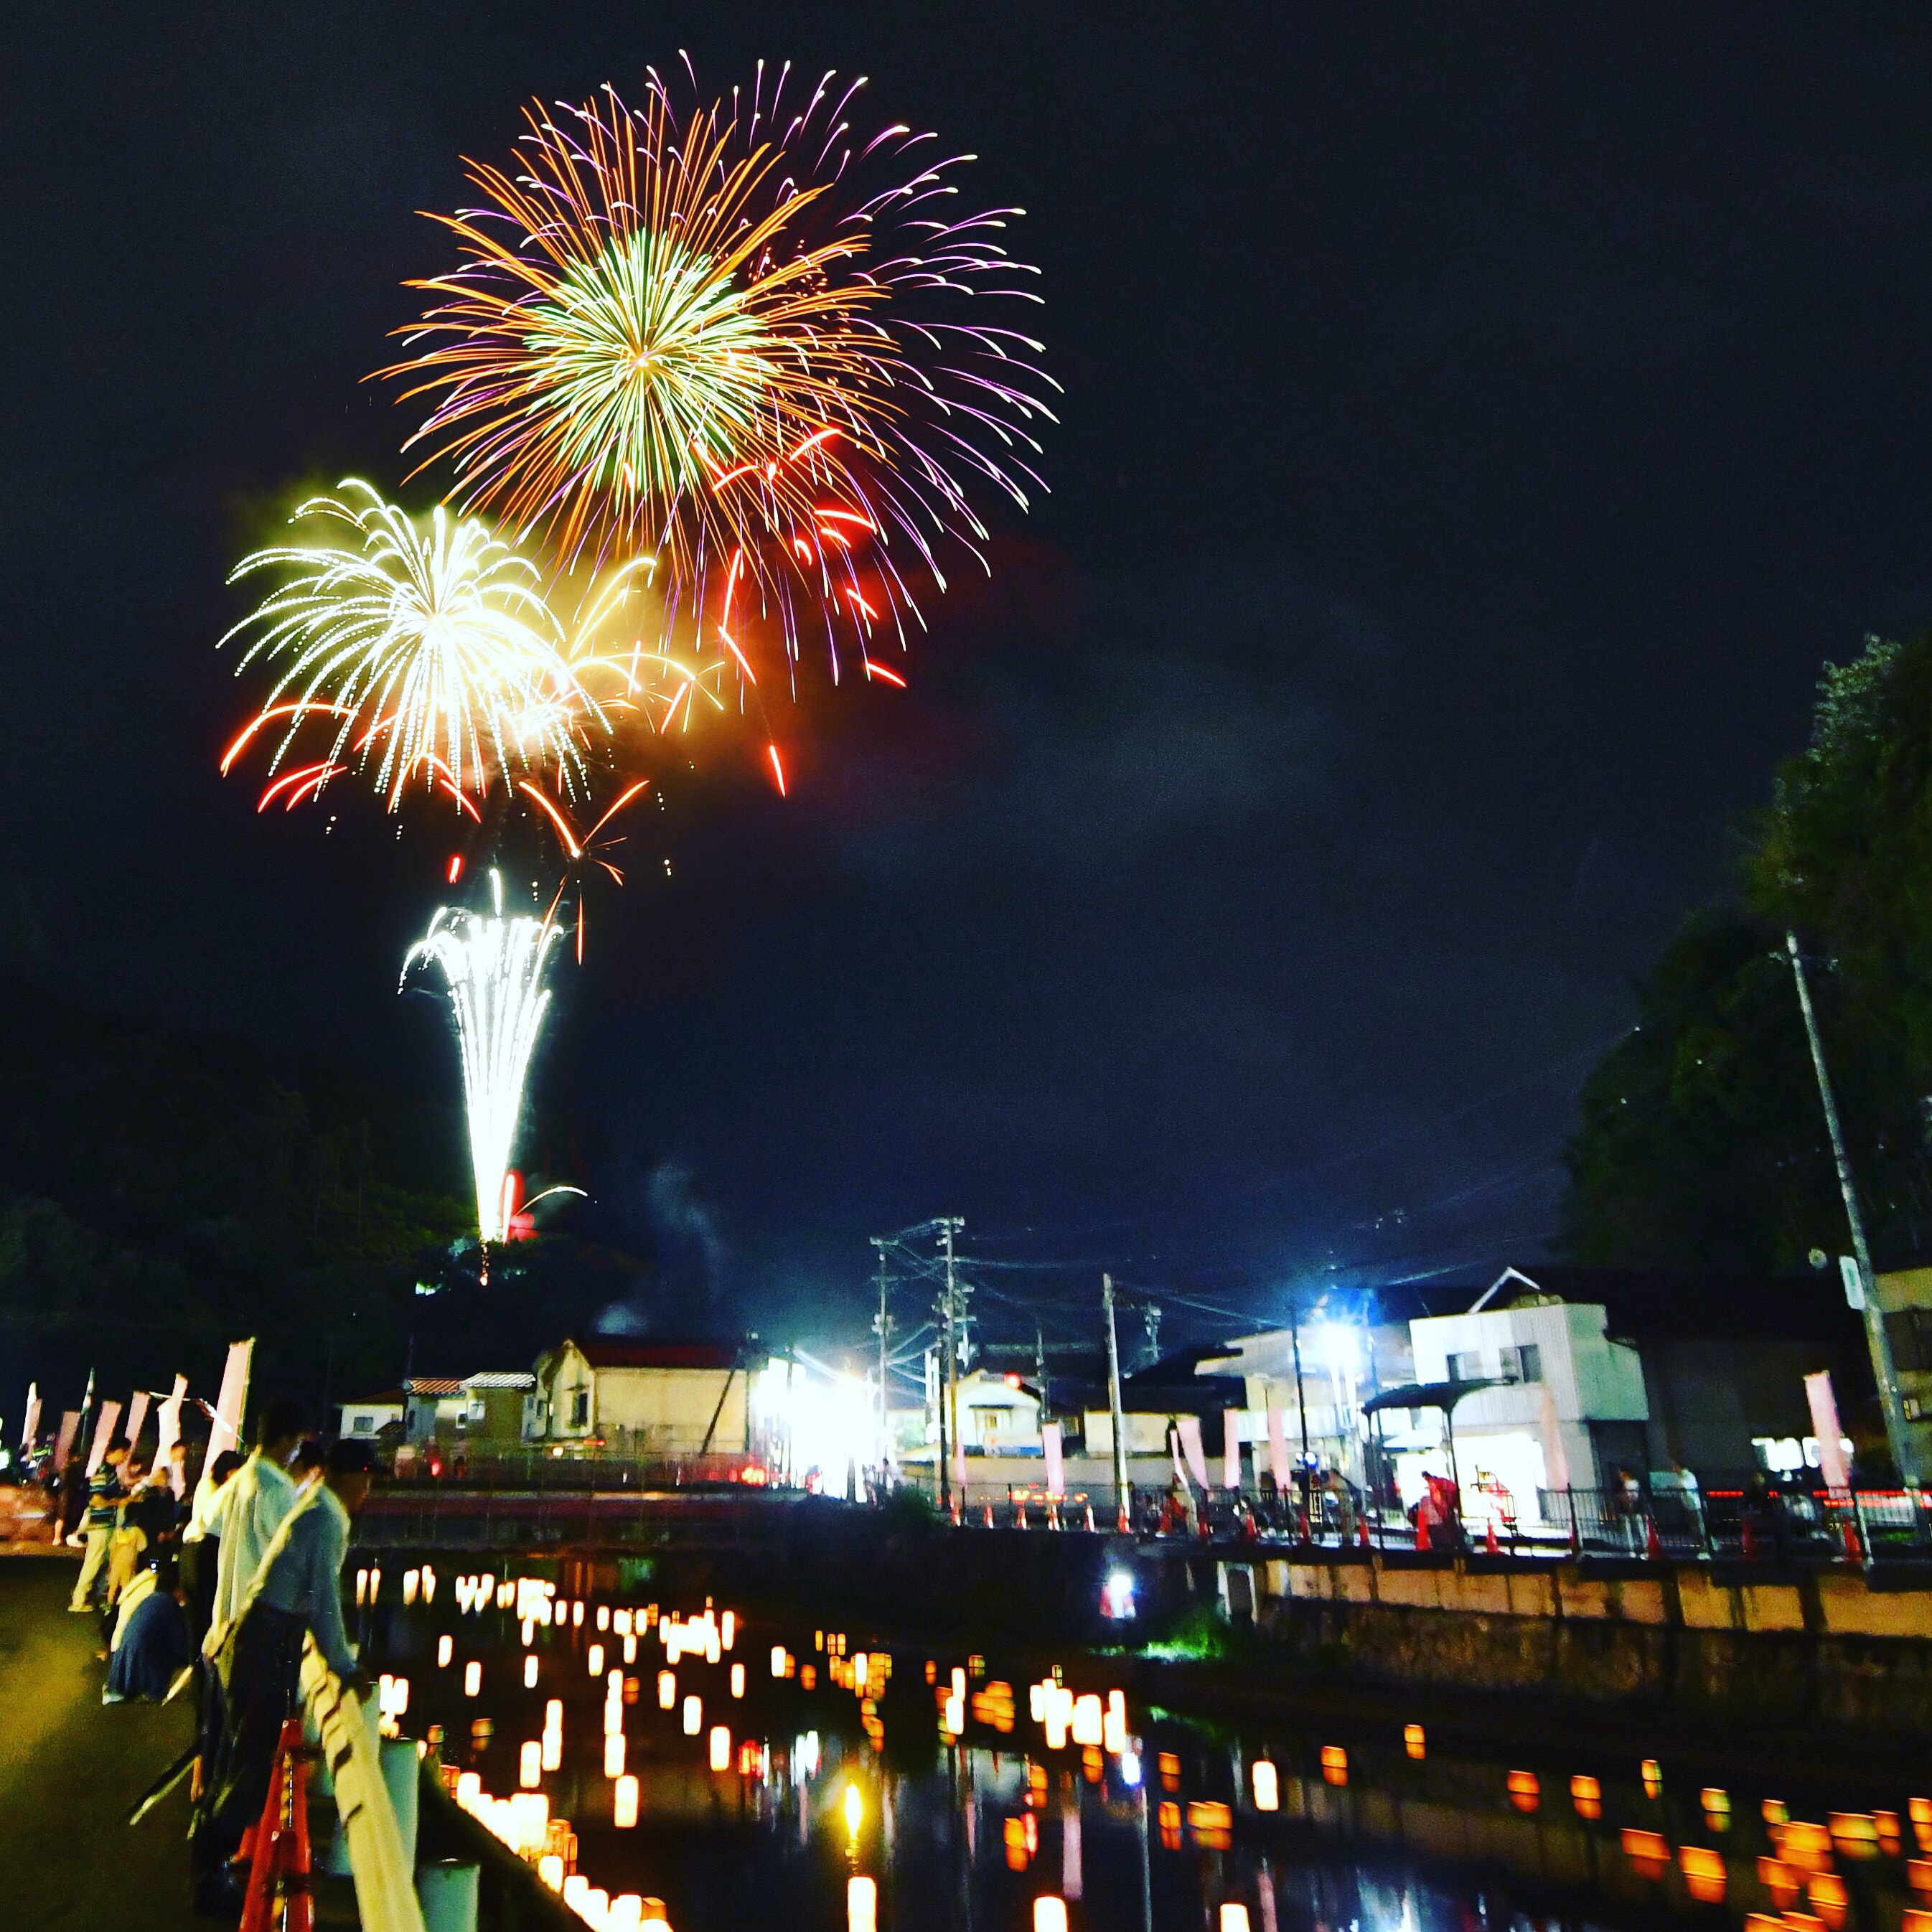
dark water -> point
(972, 1831)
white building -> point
(1574, 1410)
(373, 1414)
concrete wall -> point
(1825, 1649)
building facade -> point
(640, 1398)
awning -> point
(1443, 1396)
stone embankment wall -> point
(1825, 1649)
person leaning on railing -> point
(296, 1588)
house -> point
(434, 1406)
(485, 1408)
(640, 1398)
(373, 1414)
(998, 1414)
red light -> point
(455, 867)
(1012, 1381)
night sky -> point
(1480, 424)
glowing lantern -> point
(1587, 1795)
(1233, 1916)
(721, 1748)
(552, 1750)
(1717, 1808)
(667, 1689)
(620, 1622)
(613, 1716)
(1414, 1741)
(528, 1632)
(1088, 1725)
(1653, 1777)
(428, 1584)
(594, 1658)
(1334, 1765)
(1649, 1852)
(855, 1809)
(577, 1614)
(1525, 1791)
(777, 1660)
(630, 1650)
(727, 1628)
(1703, 1871)
(576, 1890)
(1267, 1786)
(529, 1673)
(529, 1765)
(375, 1580)
(626, 1913)
(603, 1616)
(693, 1715)
(553, 1715)
(737, 1680)
(361, 1586)
(469, 1787)
(1049, 1914)
(624, 1803)
(614, 1755)
(550, 1869)
(445, 1649)
(862, 1905)
(410, 1580)
(472, 1678)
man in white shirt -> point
(253, 1503)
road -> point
(72, 1768)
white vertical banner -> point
(225, 1432)
(103, 1435)
(1278, 1448)
(137, 1413)
(1190, 1447)
(1230, 1448)
(1050, 1448)
(1174, 1450)
(30, 1428)
(1556, 1460)
(1824, 1425)
(168, 1423)
(64, 1444)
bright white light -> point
(1337, 1346)
(830, 1420)
(493, 968)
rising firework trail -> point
(425, 650)
(493, 968)
(752, 340)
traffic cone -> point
(1120, 1521)
(1653, 1544)
(1362, 1531)
(1020, 1521)
(1853, 1552)
(958, 1503)
(1491, 1546)
(1052, 1514)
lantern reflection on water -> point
(861, 1904)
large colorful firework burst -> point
(429, 648)
(750, 341)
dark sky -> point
(1480, 424)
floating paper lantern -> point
(721, 1748)
(861, 1904)
(630, 1650)
(737, 1680)
(1267, 1786)
(777, 1660)
(530, 1673)
(693, 1715)
(626, 1914)
(529, 1765)
(1414, 1741)
(603, 1616)
(550, 1869)
(624, 1803)
(614, 1755)
(361, 1586)
(666, 1689)
(1049, 1914)
(620, 1622)
(594, 1658)
(1088, 1724)
(1233, 1916)
(445, 1649)
(410, 1581)
(472, 1678)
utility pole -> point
(1114, 1402)
(1151, 1320)
(949, 1226)
(1904, 1451)
(1301, 1394)
(882, 1325)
